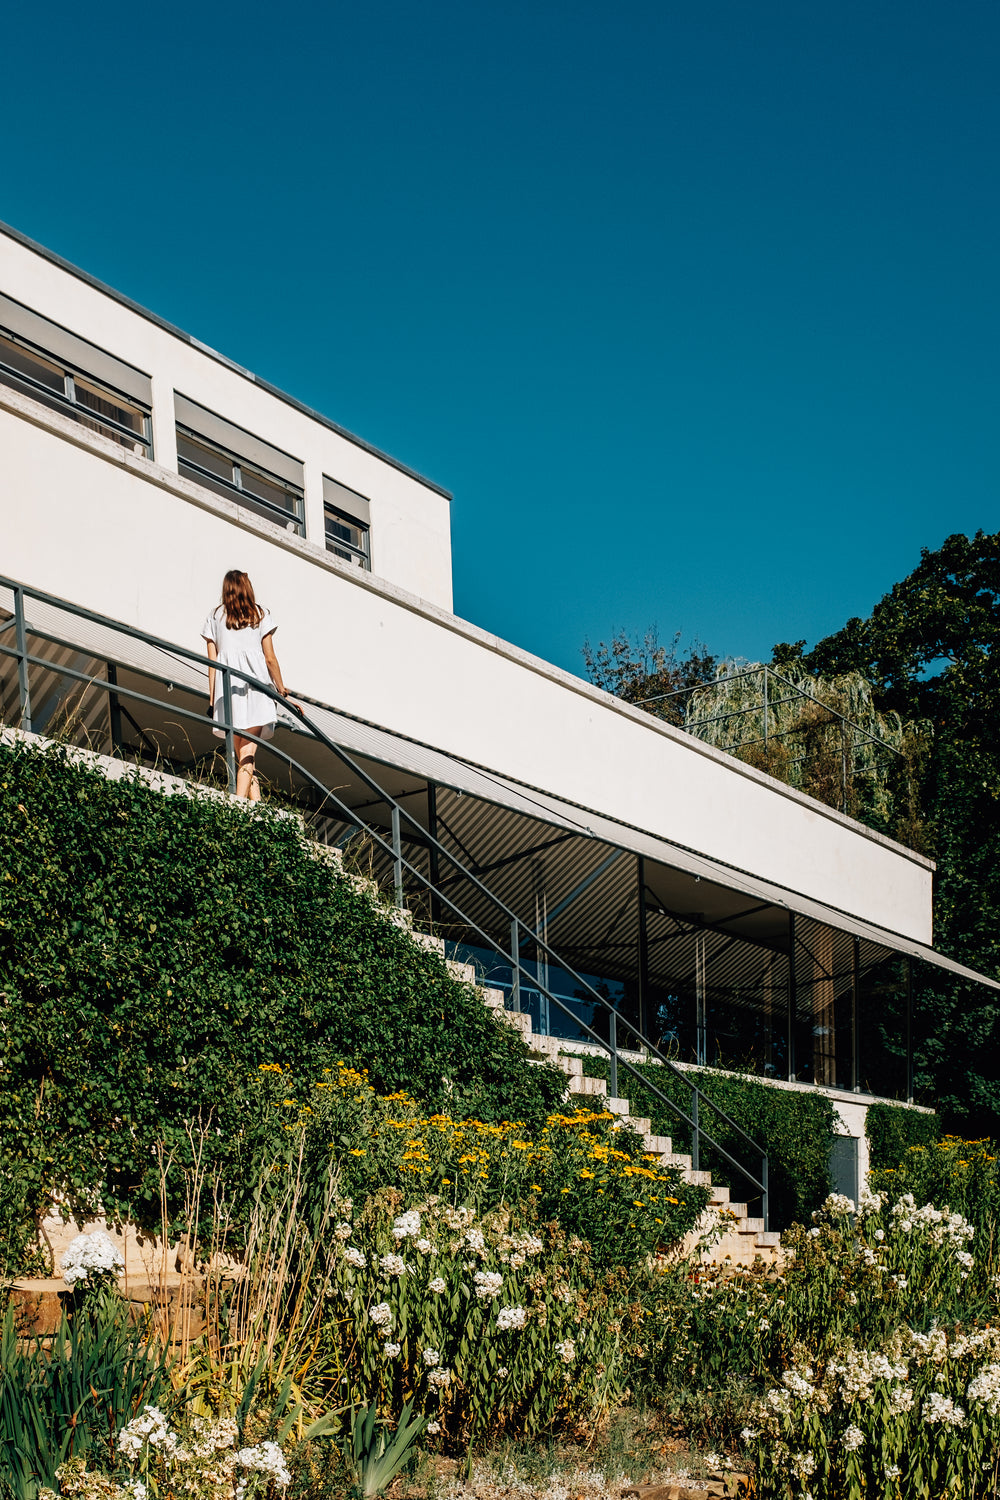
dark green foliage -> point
(931, 649)
(154, 951)
(892, 1129)
(794, 1127)
(71, 1399)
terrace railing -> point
(517, 933)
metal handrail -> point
(391, 847)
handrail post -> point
(227, 709)
(613, 1038)
(21, 644)
(764, 1204)
(515, 972)
(397, 857)
(695, 1133)
(765, 714)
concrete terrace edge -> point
(184, 489)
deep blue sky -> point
(693, 306)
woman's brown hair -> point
(238, 602)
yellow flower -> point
(638, 1203)
(358, 1152)
(535, 1188)
(565, 1190)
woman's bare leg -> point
(246, 750)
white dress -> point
(242, 649)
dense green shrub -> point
(794, 1127)
(956, 1174)
(892, 1129)
(155, 950)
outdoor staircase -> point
(742, 1240)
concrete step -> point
(464, 972)
(751, 1226)
(571, 1066)
(618, 1106)
(589, 1087)
(519, 1020)
(720, 1196)
(739, 1209)
(661, 1144)
(640, 1124)
(428, 941)
(698, 1179)
(767, 1239)
(495, 1000)
(678, 1160)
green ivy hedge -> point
(892, 1129)
(156, 950)
(795, 1128)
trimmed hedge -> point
(795, 1128)
(156, 950)
(892, 1129)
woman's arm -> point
(211, 650)
(267, 645)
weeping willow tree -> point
(824, 736)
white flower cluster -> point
(266, 1458)
(439, 1378)
(148, 1430)
(438, 1285)
(425, 1247)
(938, 1409)
(566, 1351)
(392, 1265)
(343, 1232)
(511, 1317)
(94, 1254)
(475, 1239)
(407, 1226)
(853, 1438)
(857, 1372)
(488, 1284)
(802, 1464)
(433, 1428)
(212, 1437)
(836, 1203)
(381, 1316)
(355, 1257)
(984, 1390)
(391, 1351)
(431, 1357)
(938, 1225)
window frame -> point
(67, 401)
(292, 520)
(347, 551)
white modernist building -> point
(721, 910)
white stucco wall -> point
(83, 520)
(410, 521)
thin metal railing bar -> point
(318, 734)
(800, 692)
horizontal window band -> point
(236, 440)
(76, 353)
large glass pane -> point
(340, 528)
(25, 362)
(194, 452)
(107, 405)
(269, 490)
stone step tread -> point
(750, 1226)
(739, 1209)
(768, 1239)
(698, 1178)
(429, 941)
(659, 1143)
(590, 1086)
(676, 1159)
(458, 970)
(720, 1196)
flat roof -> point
(178, 333)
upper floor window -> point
(234, 463)
(347, 522)
(83, 382)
